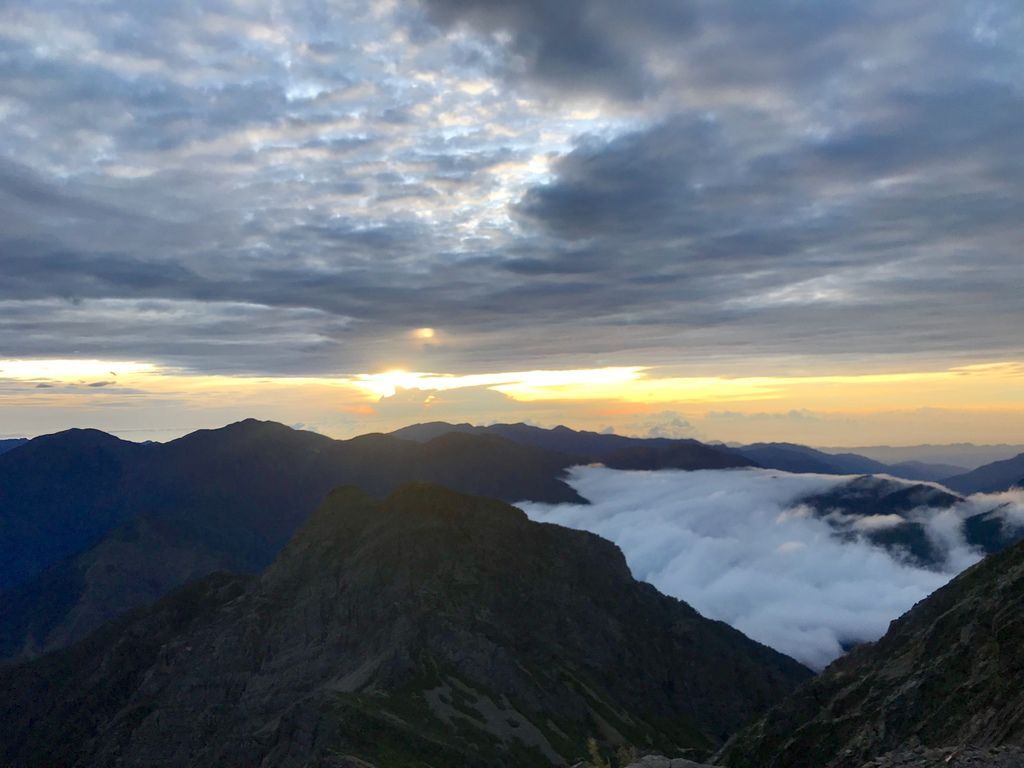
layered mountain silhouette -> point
(614, 451)
(790, 457)
(944, 681)
(621, 452)
(91, 526)
(431, 628)
(925, 470)
(990, 478)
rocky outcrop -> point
(431, 628)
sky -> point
(741, 220)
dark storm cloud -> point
(265, 188)
(588, 45)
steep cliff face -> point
(946, 675)
(430, 628)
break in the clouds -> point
(740, 179)
(739, 546)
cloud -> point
(741, 180)
(663, 424)
(738, 546)
(595, 46)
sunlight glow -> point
(69, 370)
(519, 384)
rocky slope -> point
(432, 628)
(91, 526)
(946, 675)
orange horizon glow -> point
(616, 397)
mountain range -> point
(220, 600)
(966, 455)
(620, 452)
(614, 451)
(92, 526)
(990, 478)
(430, 628)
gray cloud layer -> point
(749, 178)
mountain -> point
(58, 494)
(894, 514)
(922, 470)
(11, 444)
(990, 478)
(965, 455)
(947, 674)
(614, 451)
(789, 457)
(431, 628)
(91, 526)
(882, 510)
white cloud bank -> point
(738, 546)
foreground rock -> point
(950, 671)
(430, 629)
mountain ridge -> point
(95, 525)
(990, 478)
(431, 625)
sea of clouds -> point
(739, 546)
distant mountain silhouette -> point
(967, 455)
(789, 457)
(59, 494)
(11, 444)
(615, 451)
(93, 526)
(947, 674)
(851, 507)
(923, 470)
(990, 478)
(432, 628)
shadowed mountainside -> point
(430, 628)
(91, 526)
(790, 457)
(11, 444)
(990, 478)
